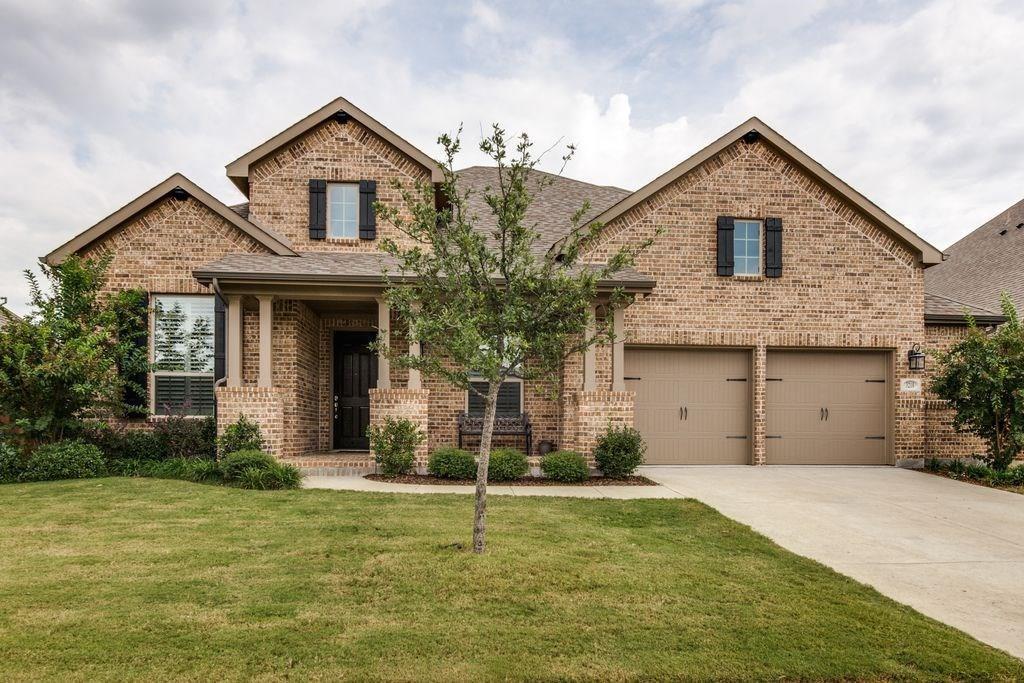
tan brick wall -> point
(846, 283)
(590, 413)
(411, 404)
(940, 439)
(349, 152)
(262, 405)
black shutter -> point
(726, 263)
(317, 209)
(773, 247)
(509, 399)
(136, 390)
(367, 215)
(220, 329)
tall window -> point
(343, 210)
(747, 247)
(183, 355)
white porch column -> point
(590, 354)
(266, 378)
(415, 382)
(234, 340)
(618, 350)
(384, 334)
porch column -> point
(415, 382)
(618, 350)
(234, 340)
(590, 354)
(266, 378)
(384, 334)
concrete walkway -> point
(951, 550)
(619, 492)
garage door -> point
(826, 408)
(692, 405)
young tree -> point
(487, 302)
(982, 378)
(72, 354)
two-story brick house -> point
(771, 320)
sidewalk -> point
(617, 492)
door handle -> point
(826, 414)
(680, 412)
(821, 414)
(683, 412)
(686, 413)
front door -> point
(355, 373)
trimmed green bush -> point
(394, 443)
(619, 451)
(127, 444)
(258, 470)
(958, 469)
(567, 466)
(243, 435)
(188, 437)
(188, 469)
(64, 460)
(507, 464)
(12, 464)
(452, 463)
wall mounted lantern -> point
(915, 358)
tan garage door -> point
(826, 408)
(692, 405)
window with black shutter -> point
(317, 209)
(510, 399)
(773, 247)
(367, 213)
(726, 261)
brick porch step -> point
(333, 464)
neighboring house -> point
(6, 315)
(771, 320)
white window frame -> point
(760, 247)
(510, 378)
(153, 374)
(331, 234)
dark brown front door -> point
(355, 373)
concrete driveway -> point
(951, 550)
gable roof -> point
(927, 253)
(238, 170)
(984, 263)
(555, 199)
(265, 236)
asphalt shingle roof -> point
(984, 264)
(943, 309)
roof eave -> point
(956, 319)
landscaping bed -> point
(635, 480)
(145, 579)
(1010, 479)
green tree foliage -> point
(72, 355)
(982, 378)
(482, 293)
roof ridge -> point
(549, 173)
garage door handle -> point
(683, 413)
(821, 414)
(826, 414)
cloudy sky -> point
(917, 104)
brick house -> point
(770, 322)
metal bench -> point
(504, 425)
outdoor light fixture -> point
(915, 358)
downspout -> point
(218, 382)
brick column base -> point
(262, 405)
(589, 413)
(408, 403)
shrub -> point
(188, 469)
(619, 451)
(12, 464)
(394, 445)
(127, 444)
(452, 463)
(64, 460)
(258, 470)
(188, 437)
(567, 466)
(242, 435)
(507, 464)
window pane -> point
(178, 395)
(183, 333)
(342, 209)
(747, 247)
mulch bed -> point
(976, 482)
(526, 481)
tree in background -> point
(73, 355)
(982, 378)
(486, 302)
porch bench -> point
(504, 425)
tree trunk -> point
(480, 512)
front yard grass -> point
(151, 579)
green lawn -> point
(131, 578)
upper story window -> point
(747, 247)
(343, 210)
(183, 351)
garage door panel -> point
(692, 405)
(826, 407)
